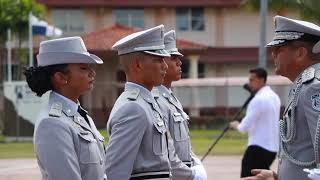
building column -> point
(193, 73)
(193, 68)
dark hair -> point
(260, 73)
(39, 78)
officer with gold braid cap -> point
(295, 51)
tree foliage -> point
(14, 14)
(308, 9)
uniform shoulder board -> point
(133, 94)
(55, 110)
(308, 74)
(155, 92)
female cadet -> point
(67, 144)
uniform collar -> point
(145, 94)
(69, 107)
(143, 91)
(164, 90)
(167, 94)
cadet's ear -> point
(59, 79)
(139, 62)
(301, 53)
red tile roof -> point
(140, 3)
(103, 39)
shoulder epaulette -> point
(55, 110)
(133, 94)
(308, 74)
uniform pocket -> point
(89, 150)
(159, 142)
(179, 127)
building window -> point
(68, 20)
(190, 19)
(130, 17)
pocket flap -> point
(177, 117)
(160, 126)
(86, 136)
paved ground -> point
(218, 168)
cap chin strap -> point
(316, 48)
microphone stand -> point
(235, 117)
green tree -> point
(14, 15)
(307, 9)
(279, 6)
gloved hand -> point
(200, 172)
(313, 173)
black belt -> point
(150, 175)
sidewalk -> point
(218, 168)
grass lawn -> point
(233, 143)
(16, 150)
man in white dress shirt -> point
(262, 124)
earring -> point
(66, 82)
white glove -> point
(200, 172)
(314, 174)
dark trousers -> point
(256, 157)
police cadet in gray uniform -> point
(172, 109)
(139, 144)
(295, 50)
(68, 146)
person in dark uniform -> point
(68, 145)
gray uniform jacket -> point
(67, 148)
(177, 120)
(138, 140)
(300, 127)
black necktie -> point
(83, 113)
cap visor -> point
(176, 53)
(279, 42)
(161, 52)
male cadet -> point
(295, 50)
(139, 144)
(172, 109)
